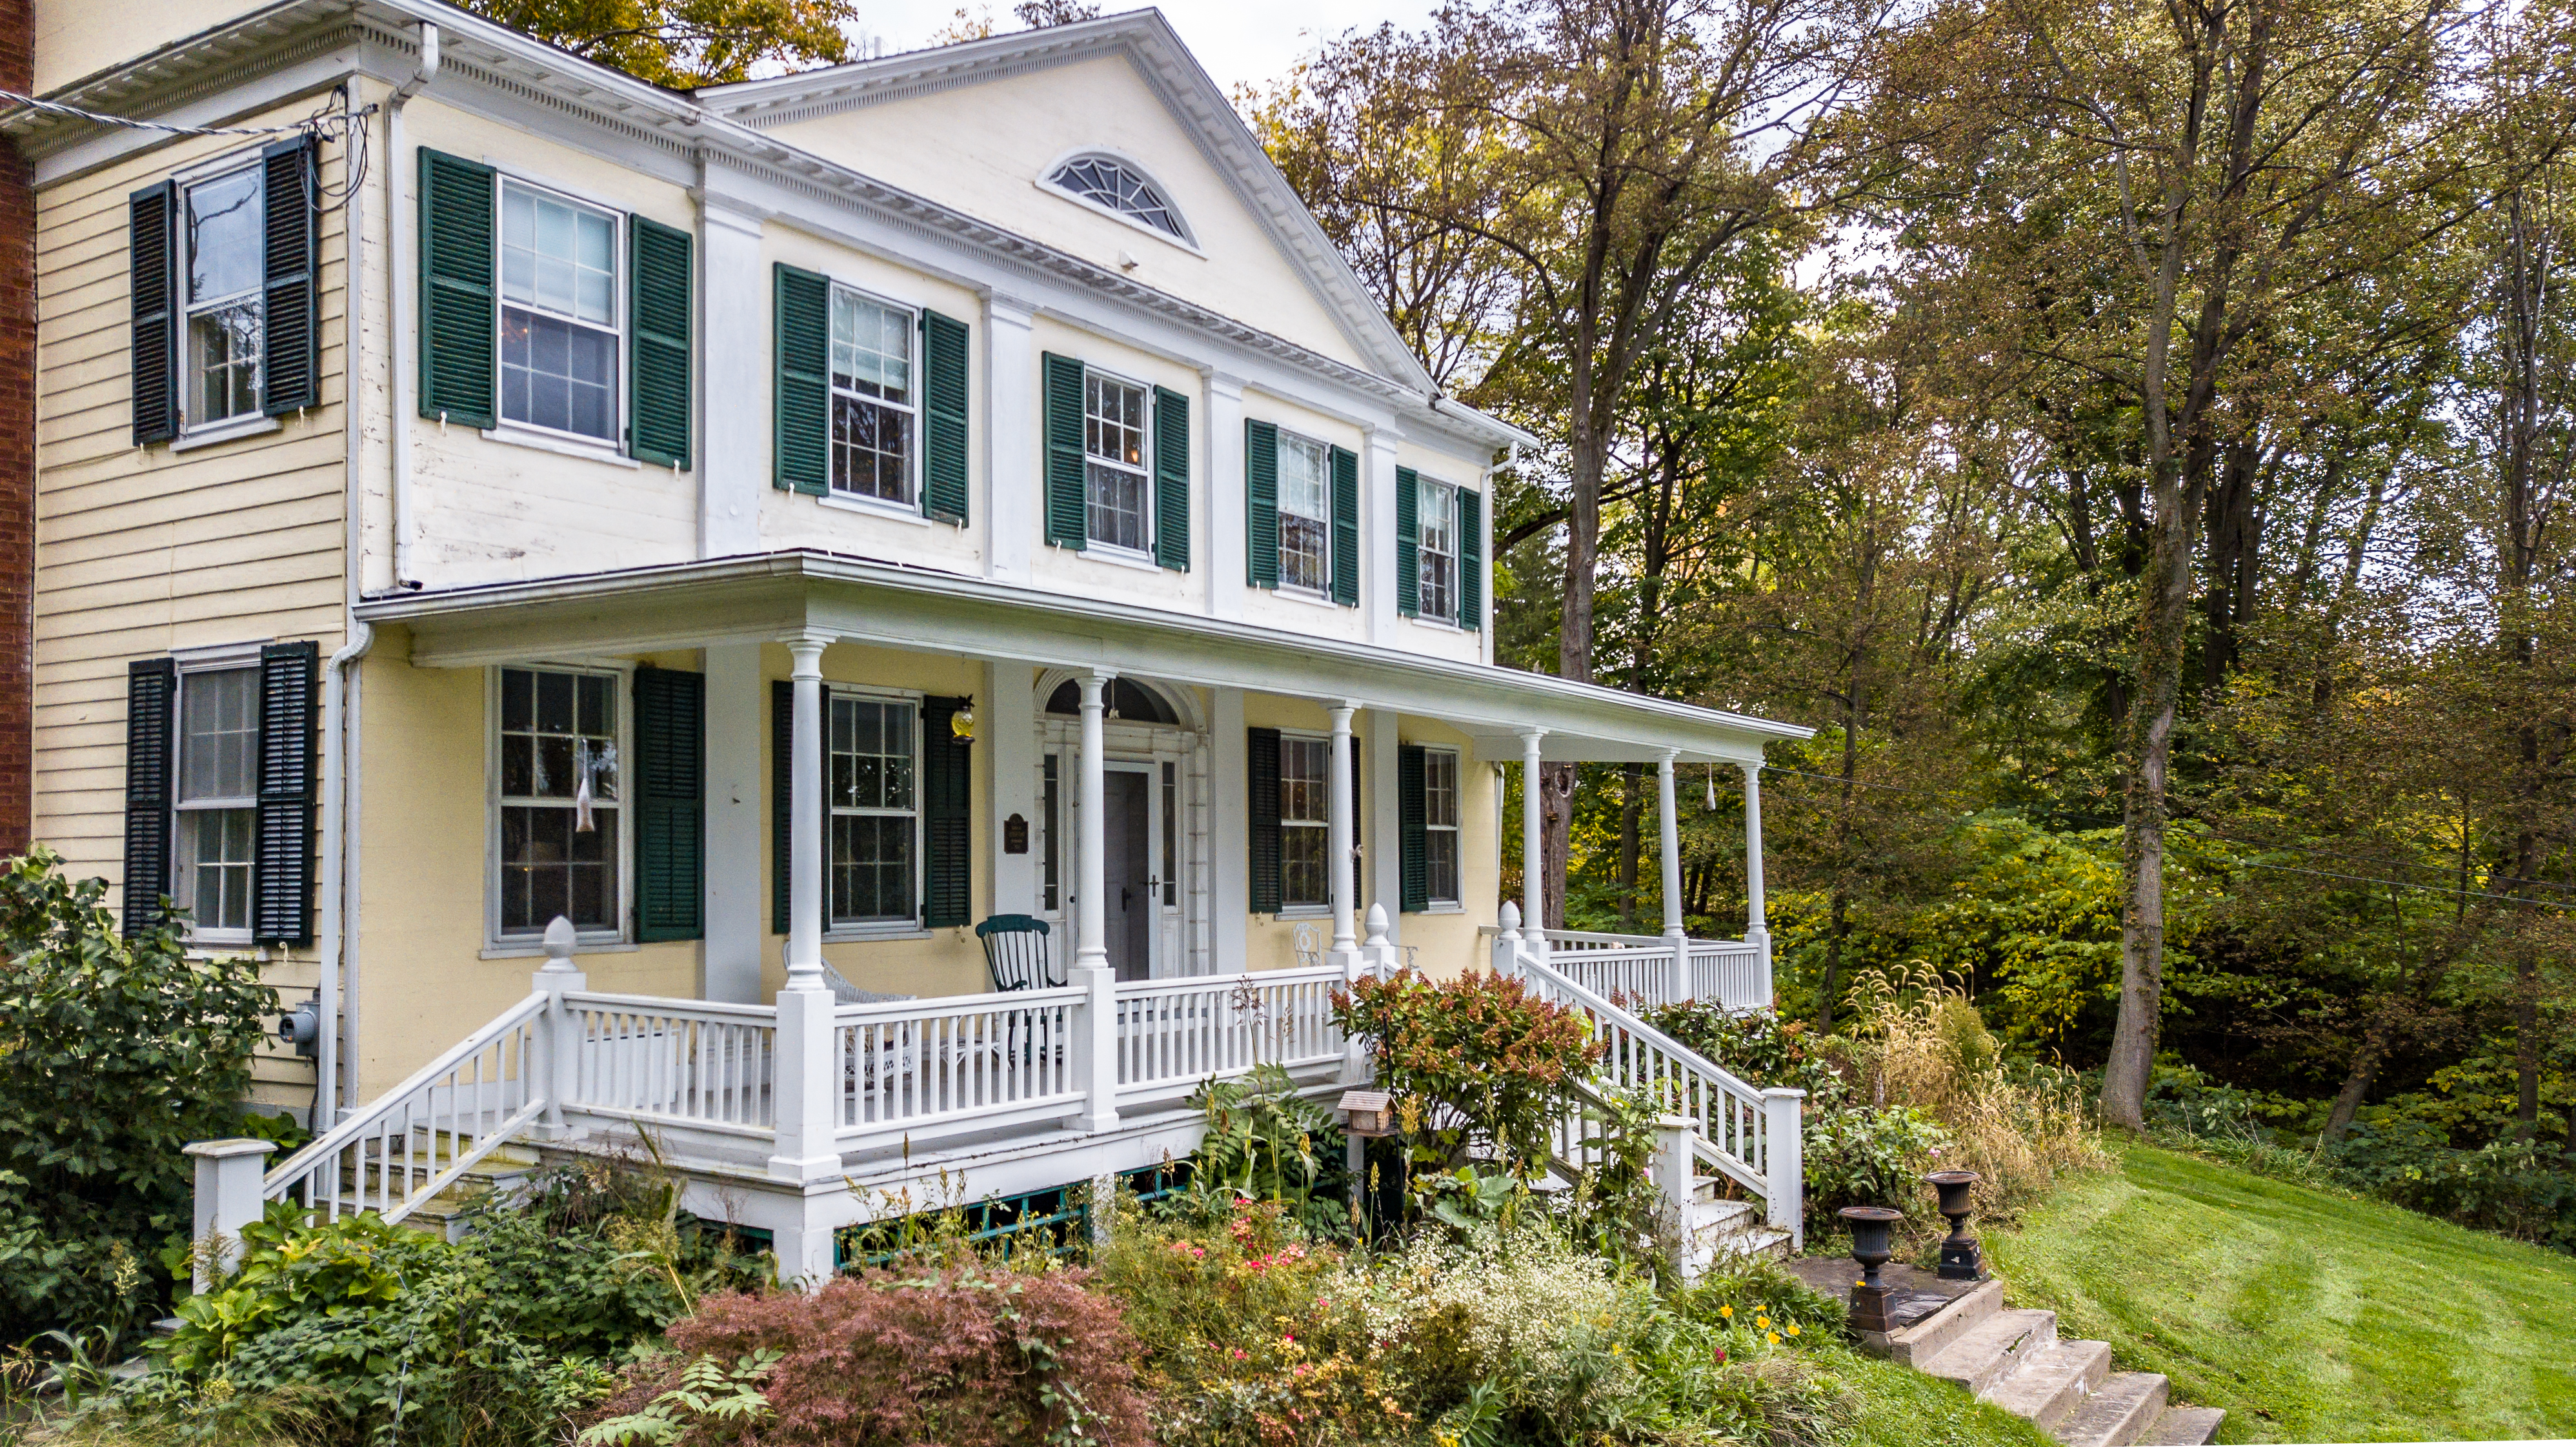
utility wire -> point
(323, 123)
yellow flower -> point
(1775, 1338)
(1762, 1321)
(1727, 1311)
(1793, 1328)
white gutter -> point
(404, 359)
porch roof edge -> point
(766, 596)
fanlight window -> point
(1098, 178)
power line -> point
(323, 123)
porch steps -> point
(2014, 1358)
(452, 1212)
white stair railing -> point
(423, 1134)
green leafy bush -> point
(1861, 1156)
(1481, 1061)
(115, 1052)
(2515, 1188)
(1757, 1047)
(1266, 1141)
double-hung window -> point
(1436, 506)
(226, 268)
(873, 400)
(1440, 825)
(559, 314)
(559, 780)
(1305, 514)
(1118, 483)
(217, 801)
(1305, 822)
(875, 808)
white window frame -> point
(1324, 589)
(906, 925)
(1306, 909)
(910, 505)
(244, 659)
(621, 676)
(615, 443)
(1045, 181)
(1423, 552)
(1439, 903)
(1144, 471)
(215, 429)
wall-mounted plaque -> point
(1015, 835)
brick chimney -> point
(17, 446)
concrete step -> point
(2117, 1415)
(2048, 1386)
(2184, 1427)
(1993, 1349)
(1925, 1339)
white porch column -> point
(1008, 734)
(1229, 835)
(737, 933)
(733, 443)
(1383, 854)
(1337, 849)
(805, 824)
(1096, 1036)
(1533, 888)
(1669, 842)
(1755, 930)
(1011, 511)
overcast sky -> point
(1239, 41)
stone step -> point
(2048, 1386)
(1925, 1339)
(2117, 1415)
(1993, 1349)
(2184, 1427)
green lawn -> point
(1901, 1407)
(2307, 1316)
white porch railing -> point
(922, 1068)
(1172, 1034)
(1648, 970)
(692, 1063)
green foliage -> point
(115, 1052)
(1266, 1141)
(711, 1403)
(1864, 1156)
(1475, 1059)
(685, 44)
(1758, 1047)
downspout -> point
(404, 357)
(339, 754)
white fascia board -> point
(769, 596)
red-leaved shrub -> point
(964, 1355)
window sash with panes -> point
(876, 818)
(225, 220)
(873, 398)
(559, 314)
(217, 803)
(1305, 822)
(560, 841)
(1305, 514)
(1436, 505)
(1119, 490)
(1440, 825)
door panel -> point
(1127, 836)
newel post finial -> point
(560, 939)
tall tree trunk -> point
(2366, 1060)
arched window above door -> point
(1132, 702)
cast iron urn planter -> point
(1961, 1260)
(1869, 1227)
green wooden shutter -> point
(947, 803)
(943, 418)
(669, 780)
(658, 393)
(1261, 800)
(1171, 479)
(149, 686)
(1412, 827)
(1408, 542)
(1068, 522)
(782, 796)
(292, 365)
(281, 896)
(1261, 505)
(151, 218)
(1346, 527)
(1471, 559)
(803, 391)
(457, 302)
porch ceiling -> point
(773, 595)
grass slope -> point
(1901, 1407)
(2309, 1317)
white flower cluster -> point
(1526, 1313)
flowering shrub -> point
(969, 1354)
(1502, 1063)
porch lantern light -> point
(961, 724)
(1367, 1114)
(1961, 1257)
(1869, 1228)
